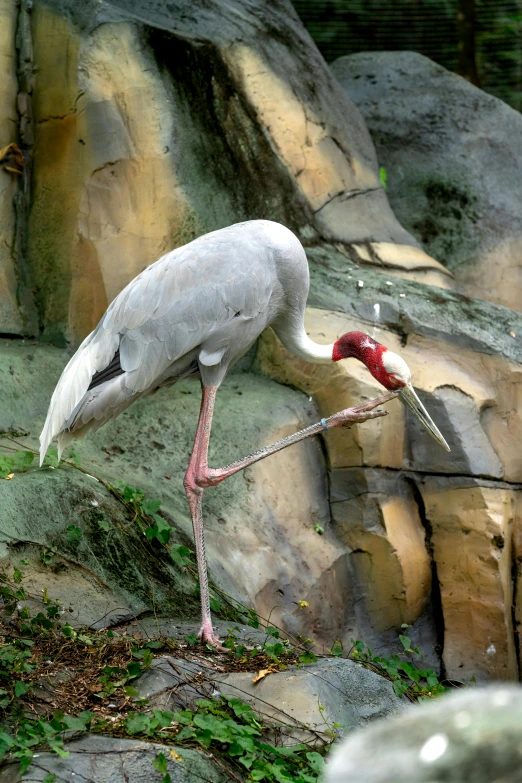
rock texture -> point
(452, 156)
(389, 512)
(96, 758)
(113, 186)
(473, 735)
(10, 317)
(306, 702)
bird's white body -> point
(198, 309)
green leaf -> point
(160, 530)
(134, 669)
(405, 641)
(383, 176)
(215, 603)
(307, 657)
(68, 631)
(180, 554)
(337, 649)
(74, 532)
(49, 778)
(160, 762)
(6, 466)
(51, 458)
(319, 529)
(150, 506)
(74, 457)
(103, 524)
(21, 688)
(191, 638)
(400, 687)
(26, 761)
(79, 723)
(137, 724)
(23, 460)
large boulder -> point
(308, 701)
(452, 156)
(475, 735)
(96, 758)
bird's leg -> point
(199, 476)
(196, 469)
(209, 477)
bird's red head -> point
(386, 367)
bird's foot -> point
(207, 636)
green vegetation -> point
(401, 668)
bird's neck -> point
(297, 342)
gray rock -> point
(474, 736)
(307, 700)
(457, 415)
(97, 759)
(452, 155)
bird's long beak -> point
(409, 397)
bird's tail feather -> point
(93, 354)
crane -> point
(196, 311)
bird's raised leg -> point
(192, 483)
(199, 476)
(209, 477)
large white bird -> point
(196, 311)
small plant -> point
(229, 726)
(406, 677)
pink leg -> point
(196, 469)
(199, 476)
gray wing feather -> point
(186, 299)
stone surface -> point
(380, 513)
(114, 187)
(306, 701)
(452, 156)
(472, 525)
(376, 515)
(114, 760)
(474, 735)
(10, 317)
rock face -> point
(452, 156)
(395, 517)
(10, 317)
(114, 187)
(473, 735)
(262, 545)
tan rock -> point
(326, 148)
(10, 317)
(472, 525)
(376, 515)
(107, 201)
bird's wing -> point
(171, 308)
